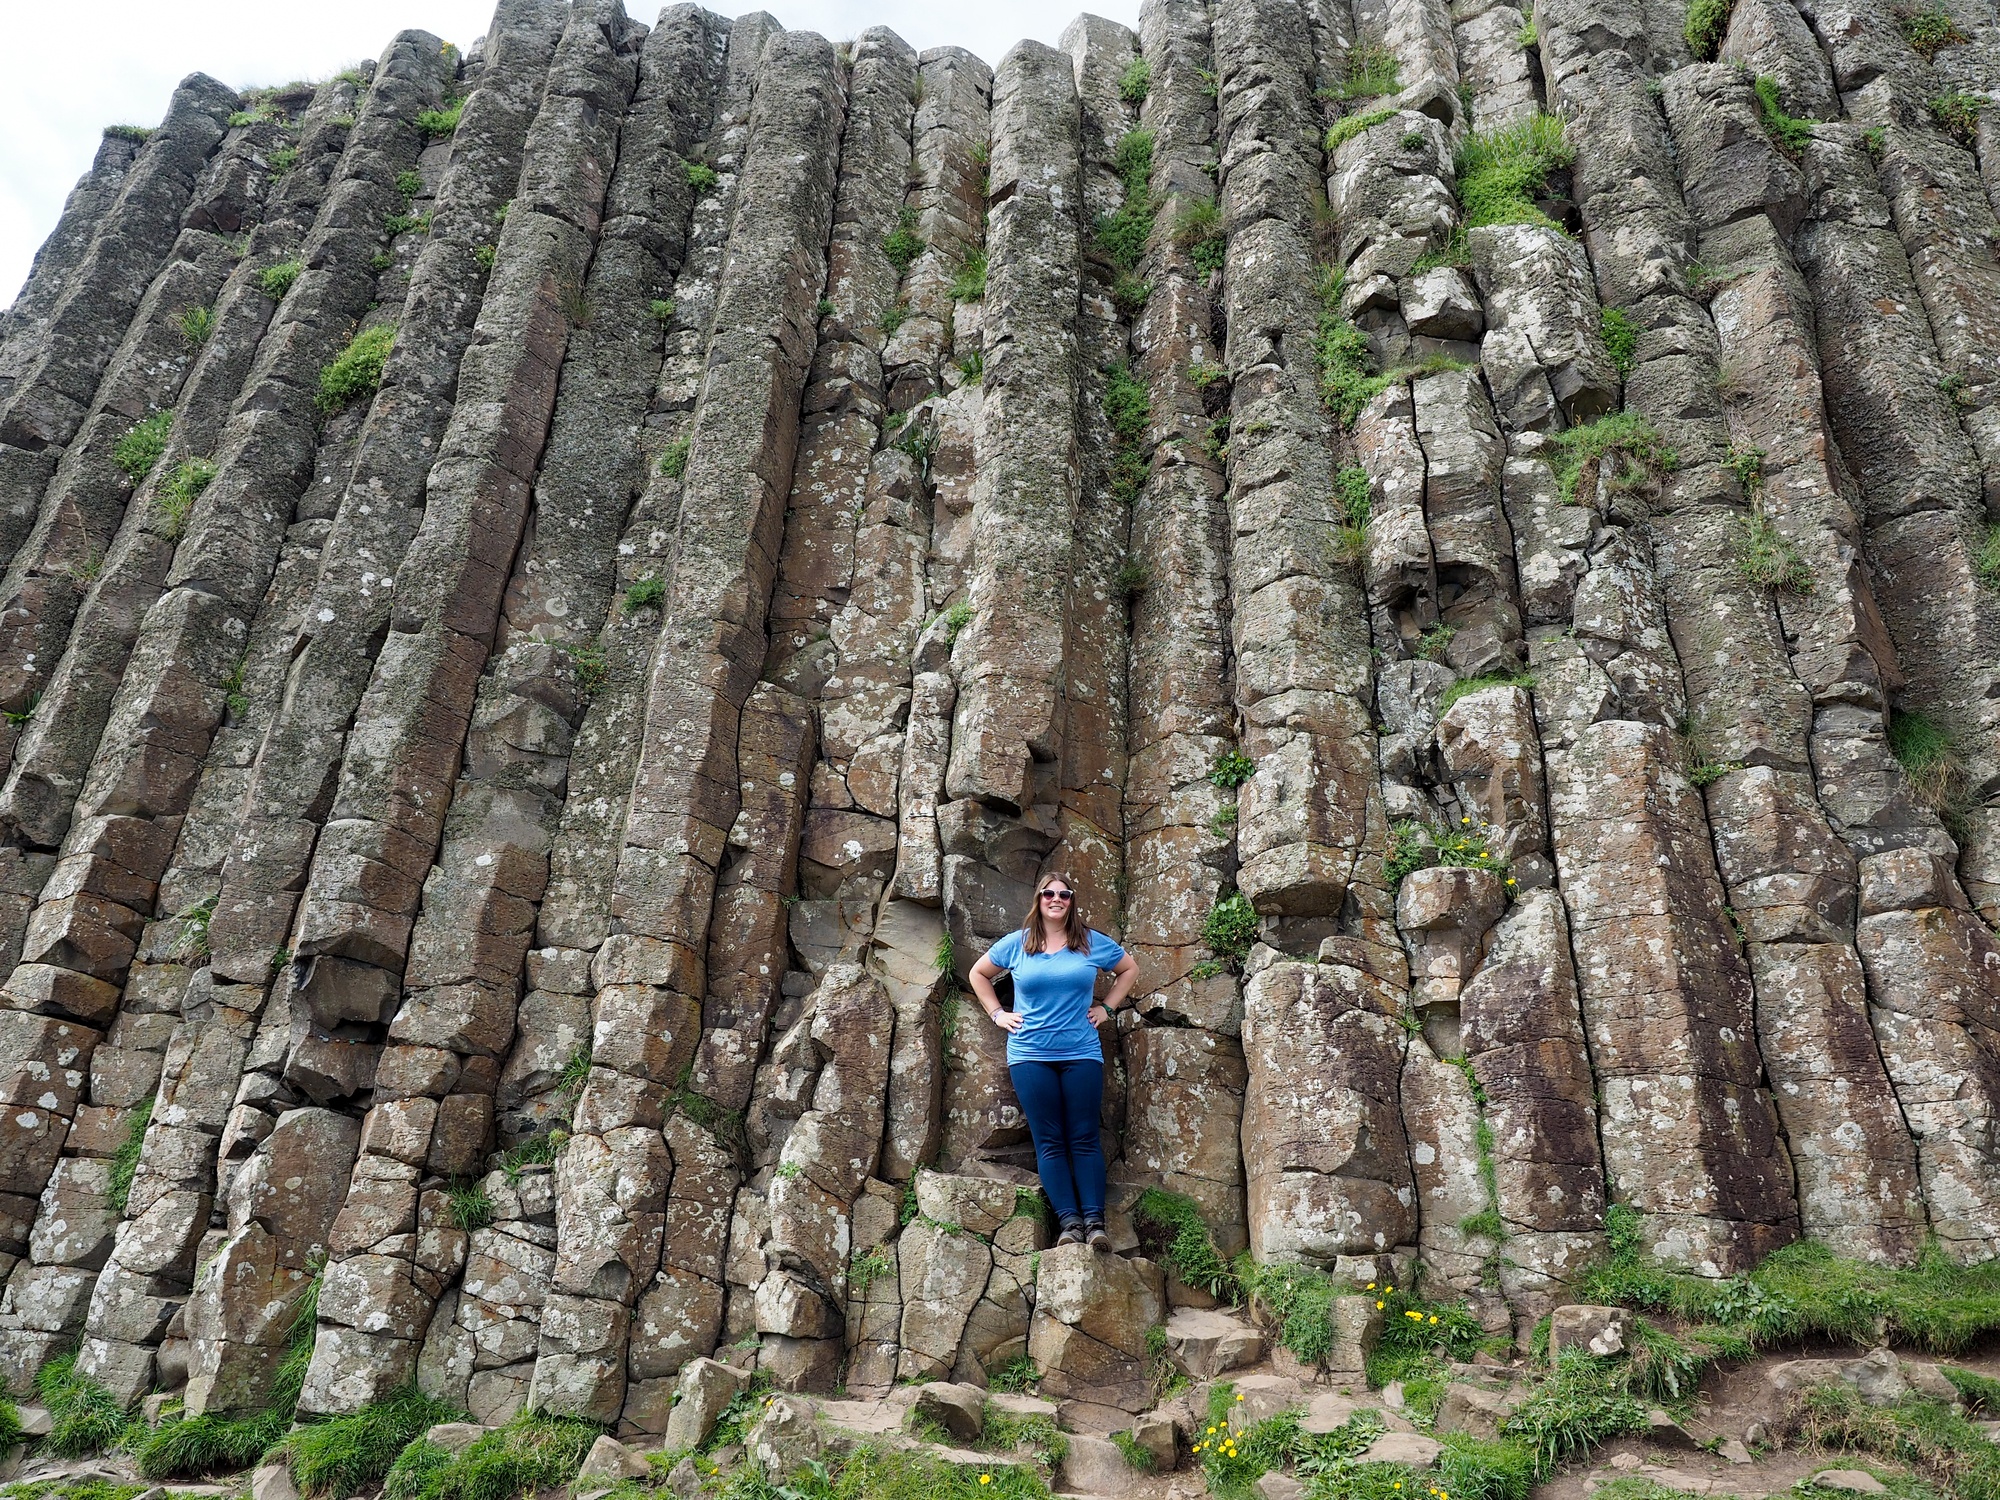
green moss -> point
(125, 1162)
(1787, 134)
(142, 445)
(1500, 172)
(674, 461)
(137, 134)
(356, 371)
(701, 177)
(276, 280)
(1624, 445)
(1707, 22)
(1347, 128)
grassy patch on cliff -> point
(1931, 1437)
(1500, 172)
(344, 1455)
(1623, 450)
(531, 1453)
(84, 1417)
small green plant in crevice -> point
(1127, 409)
(125, 1162)
(1135, 1453)
(538, 1150)
(1348, 127)
(649, 592)
(1501, 171)
(1370, 72)
(1456, 251)
(1958, 114)
(195, 324)
(894, 316)
(904, 244)
(1230, 927)
(1435, 641)
(347, 1455)
(1198, 230)
(1527, 37)
(1173, 1226)
(1353, 489)
(575, 1072)
(1135, 81)
(1789, 135)
(1417, 846)
(1931, 30)
(867, 1267)
(84, 1417)
(1621, 452)
(1931, 758)
(1231, 769)
(956, 618)
(531, 1453)
(1768, 561)
(943, 959)
(1224, 820)
(274, 281)
(661, 309)
(591, 669)
(439, 123)
(142, 445)
(1345, 360)
(674, 461)
(1621, 340)
(138, 134)
(1986, 560)
(190, 944)
(1121, 236)
(1465, 686)
(381, 261)
(1133, 579)
(356, 371)
(701, 177)
(1707, 22)
(969, 282)
(1015, 1376)
(1206, 375)
(175, 497)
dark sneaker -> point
(1072, 1235)
(1099, 1239)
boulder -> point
(1876, 1375)
(959, 1409)
(273, 1482)
(1095, 1466)
(608, 1462)
(1278, 1485)
(1854, 1481)
(1092, 1315)
(1475, 1409)
(1411, 1448)
(1154, 1431)
(706, 1387)
(455, 1437)
(1208, 1343)
(1594, 1330)
(786, 1435)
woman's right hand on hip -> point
(1007, 1020)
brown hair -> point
(1075, 935)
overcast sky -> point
(73, 73)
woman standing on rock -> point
(1053, 1052)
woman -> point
(1053, 1052)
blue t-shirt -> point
(1052, 998)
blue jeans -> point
(1061, 1101)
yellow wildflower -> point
(1412, 1313)
(1378, 1304)
(1239, 1395)
(985, 1478)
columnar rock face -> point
(555, 596)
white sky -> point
(69, 80)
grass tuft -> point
(969, 285)
(1187, 1245)
(142, 446)
(1931, 30)
(84, 1417)
(1501, 171)
(177, 494)
(1787, 134)
(125, 1162)
(276, 280)
(904, 244)
(1621, 340)
(532, 1453)
(1135, 81)
(1959, 114)
(1370, 73)
(343, 1456)
(1623, 446)
(1230, 927)
(436, 124)
(1930, 756)
(357, 370)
